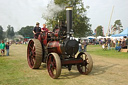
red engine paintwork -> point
(45, 39)
(54, 46)
(56, 32)
(40, 38)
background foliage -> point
(81, 25)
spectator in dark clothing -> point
(122, 44)
(85, 45)
(116, 43)
(127, 42)
(7, 48)
(80, 46)
(56, 27)
(119, 46)
(36, 30)
(109, 42)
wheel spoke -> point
(30, 46)
(32, 62)
(85, 68)
(54, 64)
(33, 47)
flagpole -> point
(110, 21)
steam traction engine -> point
(58, 49)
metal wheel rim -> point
(83, 68)
(51, 66)
(31, 54)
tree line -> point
(9, 33)
(117, 26)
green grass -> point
(97, 50)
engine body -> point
(66, 47)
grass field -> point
(14, 69)
(97, 50)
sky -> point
(20, 13)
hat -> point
(37, 23)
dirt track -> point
(106, 71)
(109, 71)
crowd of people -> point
(106, 43)
(118, 44)
(4, 46)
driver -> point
(36, 30)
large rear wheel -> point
(85, 67)
(54, 65)
(34, 53)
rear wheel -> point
(85, 67)
(34, 53)
(54, 65)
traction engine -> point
(58, 49)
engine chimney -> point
(69, 20)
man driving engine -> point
(36, 30)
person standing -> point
(109, 42)
(7, 48)
(85, 45)
(37, 30)
(80, 45)
(124, 46)
(2, 45)
(127, 42)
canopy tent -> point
(124, 33)
(90, 37)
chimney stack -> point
(69, 20)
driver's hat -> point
(37, 23)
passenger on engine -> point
(44, 29)
(56, 27)
(36, 30)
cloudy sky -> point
(19, 13)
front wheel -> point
(54, 65)
(85, 67)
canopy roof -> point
(124, 33)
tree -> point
(81, 24)
(99, 31)
(117, 26)
(1, 33)
(10, 31)
(26, 31)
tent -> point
(90, 37)
(124, 33)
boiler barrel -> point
(68, 47)
(54, 46)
